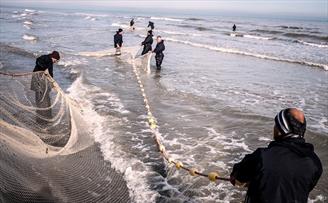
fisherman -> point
(42, 86)
(45, 62)
(234, 27)
(118, 41)
(285, 171)
(132, 24)
(147, 43)
(160, 47)
(151, 25)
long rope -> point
(212, 176)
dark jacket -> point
(43, 63)
(285, 171)
(118, 40)
(147, 44)
(160, 47)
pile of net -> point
(47, 153)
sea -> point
(214, 99)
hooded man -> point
(234, 27)
(118, 41)
(45, 62)
(160, 47)
(151, 25)
(285, 171)
(147, 43)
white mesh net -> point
(47, 153)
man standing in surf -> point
(160, 47)
(118, 41)
(147, 43)
(285, 171)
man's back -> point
(285, 171)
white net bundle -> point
(47, 153)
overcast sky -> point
(315, 8)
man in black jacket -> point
(147, 43)
(160, 47)
(45, 62)
(285, 171)
(118, 41)
(42, 86)
(132, 24)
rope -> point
(212, 176)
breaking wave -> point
(235, 51)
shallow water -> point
(214, 100)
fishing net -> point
(47, 152)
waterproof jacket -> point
(43, 63)
(118, 40)
(285, 171)
(147, 44)
(160, 47)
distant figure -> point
(132, 24)
(151, 25)
(234, 27)
(147, 43)
(285, 171)
(42, 86)
(118, 41)
(160, 47)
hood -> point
(297, 145)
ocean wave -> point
(261, 56)
(199, 28)
(267, 31)
(177, 33)
(166, 19)
(30, 37)
(313, 44)
(303, 35)
(90, 18)
(90, 14)
(257, 37)
(194, 19)
(290, 27)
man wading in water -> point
(42, 87)
(160, 47)
(285, 171)
(147, 43)
(118, 41)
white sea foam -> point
(120, 25)
(256, 37)
(29, 37)
(166, 19)
(28, 22)
(313, 44)
(136, 179)
(67, 62)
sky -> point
(305, 8)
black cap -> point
(55, 55)
(120, 30)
